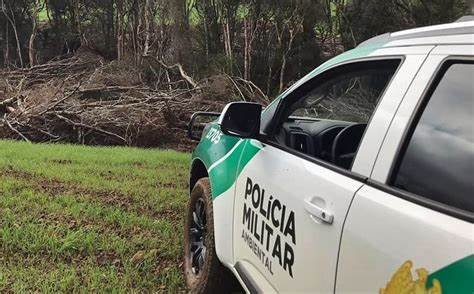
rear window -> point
(438, 159)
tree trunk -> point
(292, 34)
(7, 45)
(31, 44)
(180, 49)
(206, 35)
(119, 29)
(246, 49)
(227, 45)
(148, 20)
(13, 24)
(110, 34)
(282, 73)
(136, 28)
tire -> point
(206, 275)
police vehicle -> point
(358, 178)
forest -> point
(130, 72)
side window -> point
(349, 97)
(327, 119)
(437, 161)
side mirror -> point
(241, 119)
(198, 121)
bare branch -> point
(15, 130)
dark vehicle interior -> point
(328, 121)
(329, 140)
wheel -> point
(203, 271)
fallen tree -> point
(84, 99)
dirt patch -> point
(110, 198)
(61, 161)
(138, 164)
(167, 185)
(109, 258)
(10, 171)
(171, 214)
(54, 187)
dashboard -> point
(316, 137)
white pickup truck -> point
(358, 178)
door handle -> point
(318, 212)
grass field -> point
(75, 218)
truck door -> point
(410, 228)
(295, 186)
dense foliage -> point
(271, 43)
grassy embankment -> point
(90, 218)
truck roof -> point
(459, 32)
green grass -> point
(82, 219)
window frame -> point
(271, 129)
(389, 187)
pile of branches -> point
(86, 100)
